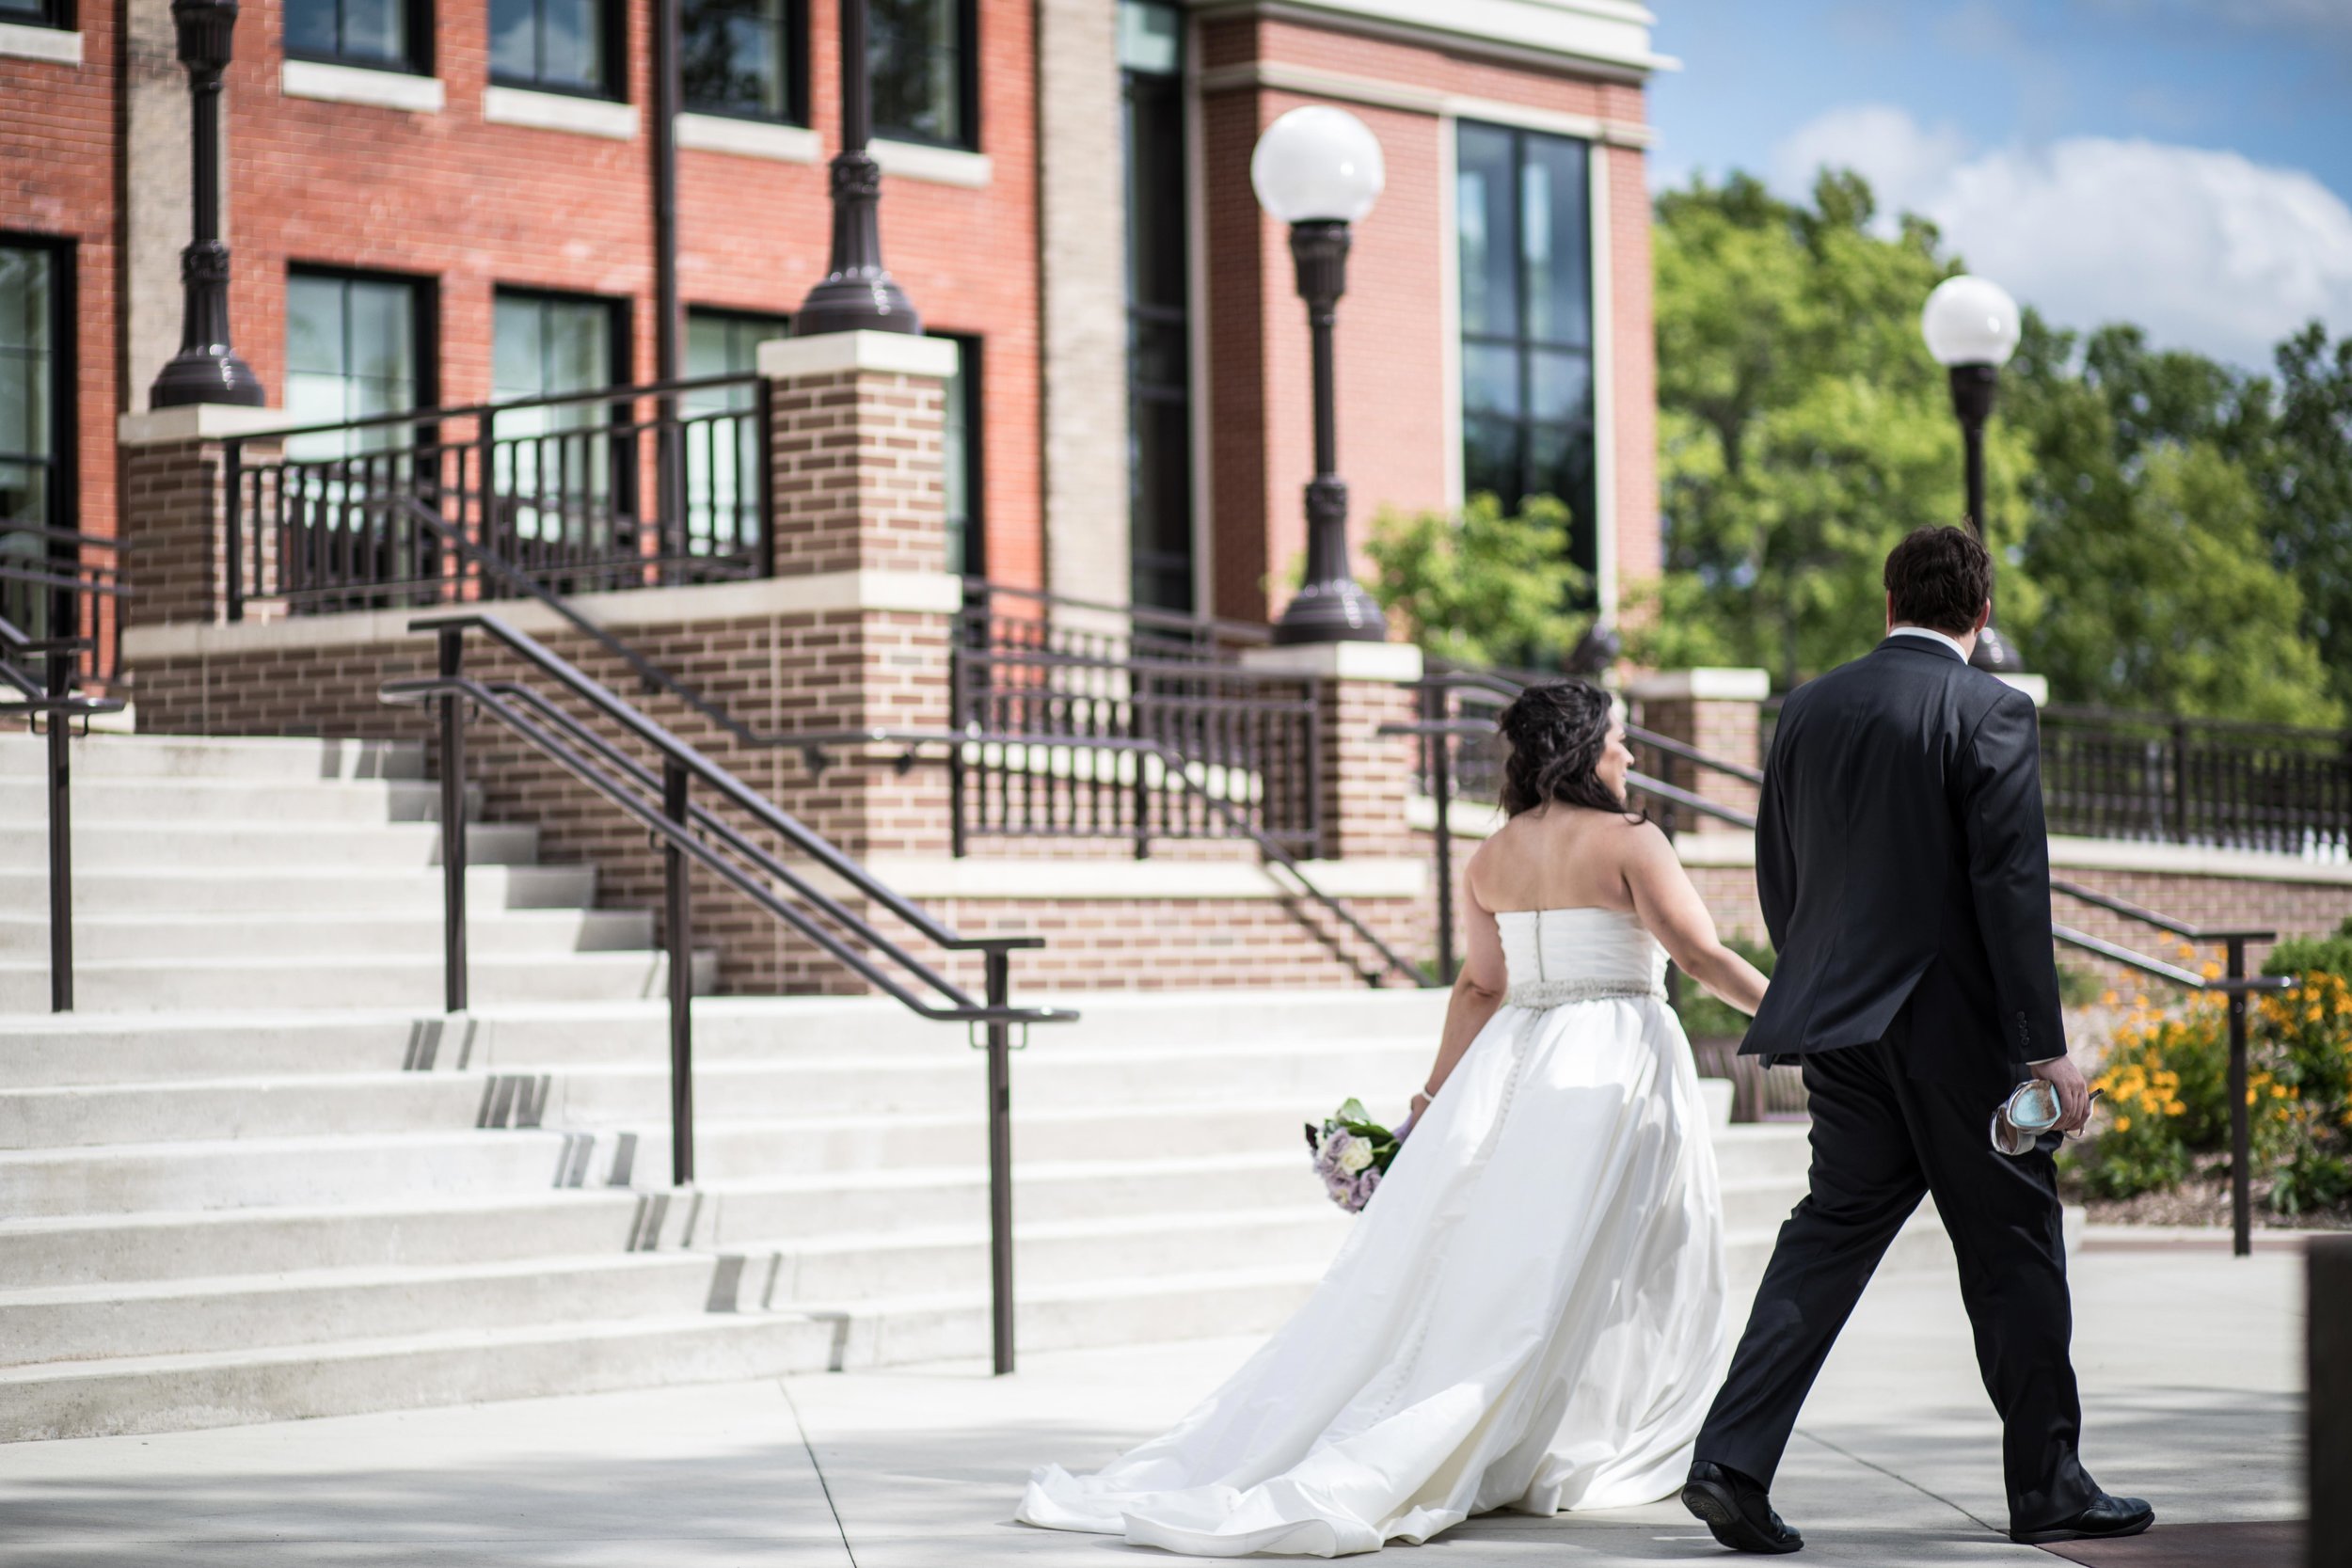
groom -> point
(1904, 872)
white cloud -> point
(2208, 250)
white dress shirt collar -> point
(1932, 635)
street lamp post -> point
(858, 294)
(1319, 170)
(206, 369)
(1971, 327)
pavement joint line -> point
(1872, 1465)
(817, 1467)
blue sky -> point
(2184, 164)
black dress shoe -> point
(1737, 1511)
(2106, 1518)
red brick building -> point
(413, 190)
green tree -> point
(2305, 474)
(1484, 587)
(1803, 428)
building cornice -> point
(1604, 38)
(1411, 98)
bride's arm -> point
(1477, 995)
(1677, 917)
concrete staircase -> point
(258, 1176)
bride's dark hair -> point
(1557, 732)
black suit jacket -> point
(1904, 869)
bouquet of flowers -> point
(1351, 1152)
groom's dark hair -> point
(1939, 578)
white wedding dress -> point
(1530, 1314)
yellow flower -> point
(2122, 1124)
(2108, 998)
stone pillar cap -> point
(833, 352)
(198, 421)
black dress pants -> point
(1881, 1139)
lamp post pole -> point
(1972, 387)
(1971, 326)
(858, 293)
(206, 369)
(1331, 606)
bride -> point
(1529, 1313)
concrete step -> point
(124, 985)
(460, 1366)
(283, 758)
(318, 934)
(110, 802)
(250, 845)
(278, 890)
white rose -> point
(1356, 1156)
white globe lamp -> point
(1971, 326)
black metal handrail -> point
(62, 591)
(51, 696)
(683, 828)
(1173, 767)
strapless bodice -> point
(1553, 956)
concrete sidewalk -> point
(2190, 1365)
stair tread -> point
(351, 1276)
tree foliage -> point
(1484, 587)
(2171, 533)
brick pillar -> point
(856, 448)
(1365, 776)
(173, 507)
(1716, 711)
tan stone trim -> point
(343, 84)
(2078, 854)
(1600, 38)
(53, 44)
(1314, 82)
(749, 138)
(1397, 662)
(940, 166)
(195, 422)
(915, 593)
(1705, 683)
(560, 111)
(840, 353)
(927, 877)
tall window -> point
(722, 434)
(920, 57)
(555, 45)
(554, 457)
(356, 347)
(384, 35)
(960, 457)
(36, 13)
(744, 57)
(1159, 389)
(1527, 321)
(33, 472)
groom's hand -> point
(2062, 1074)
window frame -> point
(63, 501)
(1526, 347)
(425, 317)
(418, 61)
(620, 370)
(967, 137)
(57, 14)
(612, 34)
(1135, 85)
(970, 353)
(796, 103)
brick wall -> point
(856, 466)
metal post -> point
(60, 837)
(2241, 1114)
(1972, 387)
(1331, 606)
(669, 457)
(1000, 1158)
(232, 527)
(858, 293)
(2328, 1400)
(1434, 707)
(206, 369)
(677, 916)
(452, 654)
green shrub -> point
(1483, 586)
(1703, 1016)
(2331, 955)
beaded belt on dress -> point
(1591, 988)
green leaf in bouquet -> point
(1351, 1111)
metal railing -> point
(2198, 780)
(49, 699)
(1030, 620)
(661, 799)
(59, 584)
(617, 488)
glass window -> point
(1159, 331)
(557, 455)
(960, 459)
(919, 57)
(556, 45)
(354, 350)
(1524, 222)
(29, 454)
(380, 34)
(37, 13)
(743, 57)
(721, 430)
